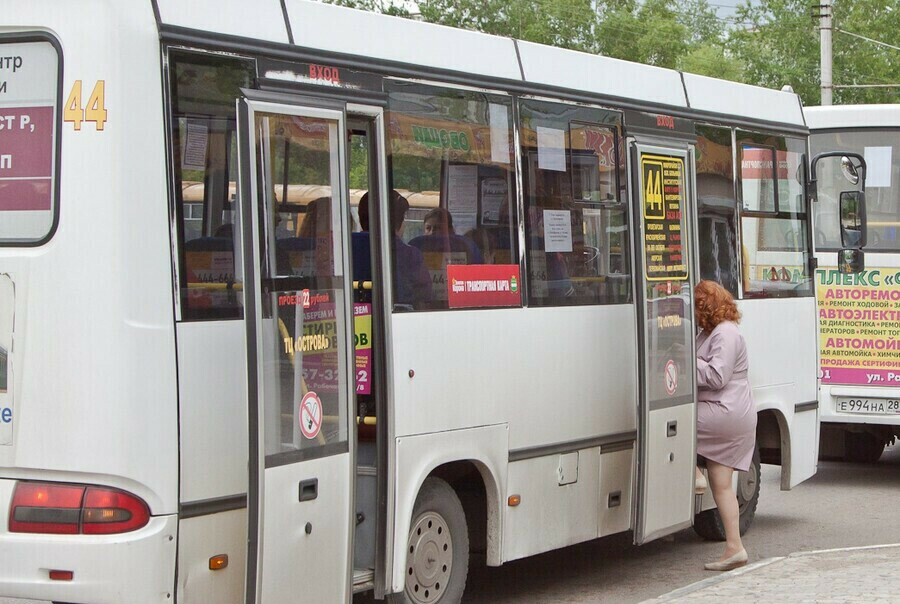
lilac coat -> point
(726, 415)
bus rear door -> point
(666, 409)
(299, 349)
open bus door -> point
(299, 350)
(666, 410)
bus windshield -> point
(881, 148)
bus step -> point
(363, 579)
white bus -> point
(859, 316)
(232, 380)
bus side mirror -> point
(853, 167)
(852, 206)
(853, 219)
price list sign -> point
(662, 183)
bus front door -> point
(666, 409)
(294, 224)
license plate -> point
(877, 406)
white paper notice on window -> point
(193, 156)
(462, 189)
(499, 134)
(551, 149)
(494, 192)
(463, 223)
(557, 231)
(878, 166)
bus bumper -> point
(829, 395)
(135, 567)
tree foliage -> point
(768, 43)
(778, 44)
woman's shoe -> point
(700, 484)
(735, 561)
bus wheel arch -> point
(472, 463)
(458, 497)
(773, 440)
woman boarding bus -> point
(858, 320)
(204, 404)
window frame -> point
(618, 184)
(172, 55)
(622, 200)
(862, 130)
(43, 36)
(515, 199)
(737, 205)
(739, 137)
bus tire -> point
(862, 447)
(437, 551)
(708, 524)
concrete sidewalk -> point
(868, 575)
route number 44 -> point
(93, 111)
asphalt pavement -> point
(843, 505)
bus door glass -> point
(666, 412)
(299, 351)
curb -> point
(693, 587)
(717, 578)
(842, 549)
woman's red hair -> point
(714, 304)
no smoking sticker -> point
(671, 377)
(310, 415)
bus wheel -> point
(862, 447)
(709, 525)
(437, 551)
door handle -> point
(309, 489)
(672, 428)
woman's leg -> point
(720, 483)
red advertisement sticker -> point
(480, 285)
(26, 158)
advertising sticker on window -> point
(483, 285)
(362, 336)
(663, 196)
(28, 96)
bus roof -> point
(853, 116)
(391, 41)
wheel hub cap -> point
(747, 486)
(429, 559)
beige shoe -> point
(735, 561)
(700, 484)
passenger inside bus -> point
(298, 255)
(412, 284)
(442, 238)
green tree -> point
(779, 44)
(563, 23)
(768, 43)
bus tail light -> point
(45, 508)
(108, 511)
(72, 509)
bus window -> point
(452, 171)
(881, 148)
(775, 243)
(576, 230)
(717, 208)
(204, 89)
(29, 98)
